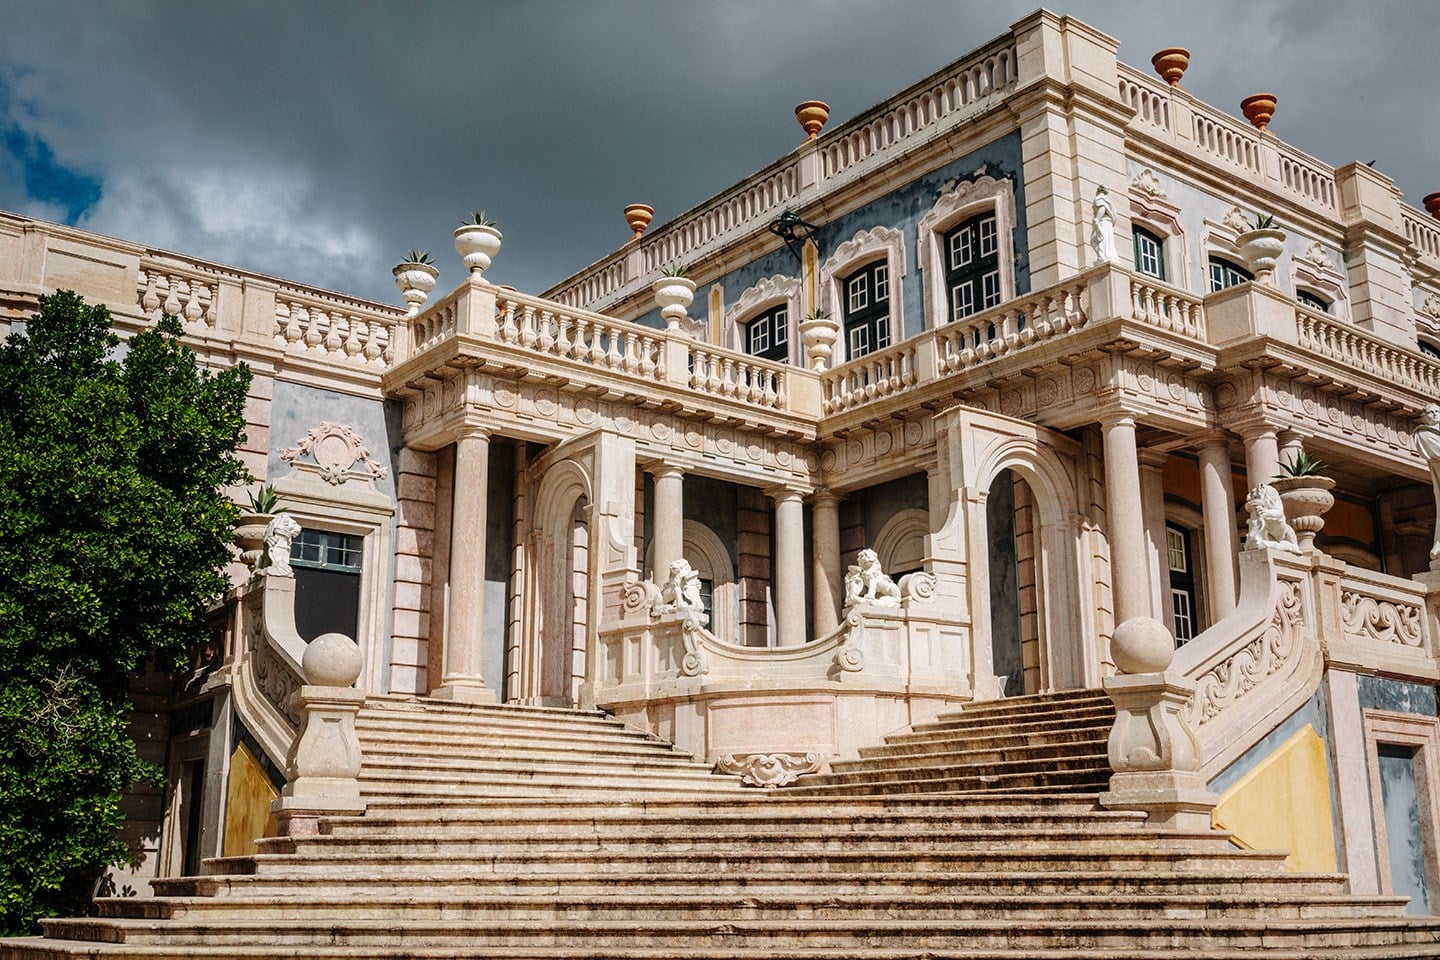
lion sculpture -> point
(680, 593)
(281, 532)
(1267, 521)
(865, 582)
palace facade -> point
(1032, 331)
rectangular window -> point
(859, 341)
(1149, 254)
(760, 335)
(990, 290)
(1175, 546)
(963, 298)
(987, 237)
(1184, 616)
(882, 282)
(327, 582)
(960, 247)
(780, 324)
(859, 292)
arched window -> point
(867, 309)
(972, 266)
(1314, 302)
(1429, 349)
(768, 334)
(1149, 253)
(1224, 274)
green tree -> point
(113, 534)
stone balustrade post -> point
(323, 768)
(1153, 753)
(475, 309)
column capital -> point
(1151, 458)
(1210, 438)
(474, 432)
(780, 493)
(662, 468)
(1123, 419)
(825, 497)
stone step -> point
(658, 885)
(539, 762)
(974, 755)
(391, 861)
(520, 780)
(1055, 700)
(1055, 734)
(786, 842)
(958, 724)
(705, 907)
(36, 949)
(452, 725)
(961, 769)
(1086, 780)
(1126, 933)
(400, 741)
(759, 800)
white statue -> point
(1267, 521)
(1427, 441)
(278, 537)
(1102, 226)
(865, 582)
(680, 593)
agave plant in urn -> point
(674, 292)
(1261, 246)
(1305, 494)
(818, 332)
(254, 520)
(477, 241)
(415, 276)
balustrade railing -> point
(1423, 231)
(166, 286)
(545, 327)
(1167, 307)
(329, 328)
(1357, 348)
(738, 377)
(1010, 327)
(877, 374)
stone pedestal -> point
(1154, 755)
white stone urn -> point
(1260, 249)
(1306, 501)
(250, 535)
(477, 246)
(819, 333)
(674, 295)
(415, 281)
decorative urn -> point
(1432, 204)
(819, 333)
(1306, 500)
(250, 535)
(415, 280)
(1171, 63)
(673, 295)
(638, 217)
(1258, 109)
(477, 245)
(811, 116)
(1261, 248)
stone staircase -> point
(486, 838)
(1053, 743)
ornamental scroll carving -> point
(276, 680)
(1385, 621)
(337, 450)
(1229, 681)
(769, 770)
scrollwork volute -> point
(1384, 621)
(1226, 683)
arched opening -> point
(565, 624)
(1015, 589)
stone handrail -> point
(874, 375)
(267, 664)
(1382, 624)
(1256, 666)
(1423, 231)
(1167, 307)
(1176, 117)
(1360, 349)
(335, 330)
(1012, 326)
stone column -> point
(669, 517)
(1125, 520)
(465, 620)
(1157, 556)
(1262, 456)
(789, 566)
(1217, 496)
(1290, 445)
(825, 560)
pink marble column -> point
(789, 566)
(1129, 573)
(669, 517)
(1217, 496)
(465, 620)
(825, 560)
(1262, 456)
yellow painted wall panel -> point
(1284, 804)
(247, 804)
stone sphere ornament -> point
(1142, 645)
(331, 660)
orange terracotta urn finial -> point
(1171, 63)
(1432, 204)
(1258, 109)
(812, 115)
(638, 216)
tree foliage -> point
(114, 531)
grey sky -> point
(319, 141)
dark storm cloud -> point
(319, 141)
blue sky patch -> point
(45, 180)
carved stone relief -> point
(337, 451)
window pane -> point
(960, 252)
(1184, 616)
(987, 237)
(1175, 544)
(1224, 274)
(990, 289)
(882, 283)
(780, 326)
(859, 341)
(1149, 254)
(859, 292)
(963, 298)
(1313, 302)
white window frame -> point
(965, 200)
(861, 250)
(1155, 213)
(766, 294)
(1322, 280)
